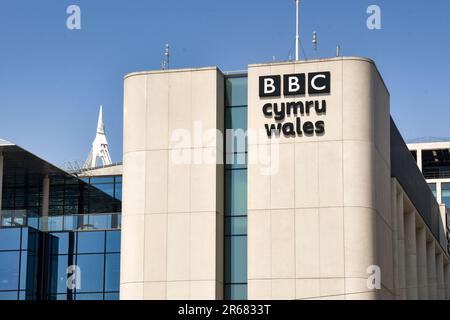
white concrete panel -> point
(155, 258)
(283, 244)
(282, 182)
(135, 111)
(259, 245)
(157, 116)
(307, 244)
(178, 247)
(330, 174)
(331, 242)
(156, 181)
(306, 175)
(202, 246)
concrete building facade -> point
(335, 207)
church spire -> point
(99, 146)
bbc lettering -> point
(295, 84)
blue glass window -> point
(113, 241)
(433, 188)
(106, 188)
(236, 192)
(236, 91)
(91, 242)
(91, 267)
(236, 118)
(112, 272)
(112, 296)
(10, 239)
(235, 226)
(89, 296)
(9, 270)
(236, 264)
(60, 243)
(236, 291)
(118, 194)
(445, 194)
(59, 272)
(100, 180)
(8, 295)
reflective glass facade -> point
(19, 252)
(445, 194)
(96, 254)
(235, 188)
(70, 253)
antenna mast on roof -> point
(297, 33)
(166, 62)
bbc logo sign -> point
(295, 84)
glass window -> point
(89, 296)
(433, 188)
(236, 291)
(236, 91)
(113, 241)
(235, 226)
(112, 296)
(58, 277)
(118, 194)
(91, 242)
(112, 272)
(97, 180)
(236, 259)
(8, 295)
(9, 270)
(91, 267)
(10, 239)
(235, 192)
(106, 188)
(28, 271)
(60, 243)
(446, 194)
(236, 118)
(30, 240)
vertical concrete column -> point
(411, 256)
(419, 159)
(1, 181)
(395, 251)
(43, 219)
(45, 195)
(421, 243)
(447, 280)
(440, 276)
(431, 257)
(443, 226)
(439, 192)
(401, 247)
(173, 217)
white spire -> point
(99, 146)
(100, 126)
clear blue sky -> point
(53, 80)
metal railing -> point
(76, 222)
(436, 174)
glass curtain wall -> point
(235, 188)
